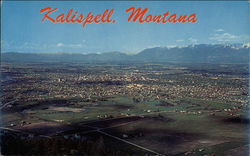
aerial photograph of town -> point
(125, 88)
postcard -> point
(125, 78)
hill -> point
(202, 53)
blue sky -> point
(24, 31)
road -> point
(6, 104)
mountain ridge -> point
(200, 53)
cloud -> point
(71, 45)
(227, 37)
(193, 40)
(179, 40)
(153, 46)
(75, 45)
(221, 36)
(219, 30)
(176, 46)
(60, 45)
(224, 37)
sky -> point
(219, 22)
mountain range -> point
(201, 53)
